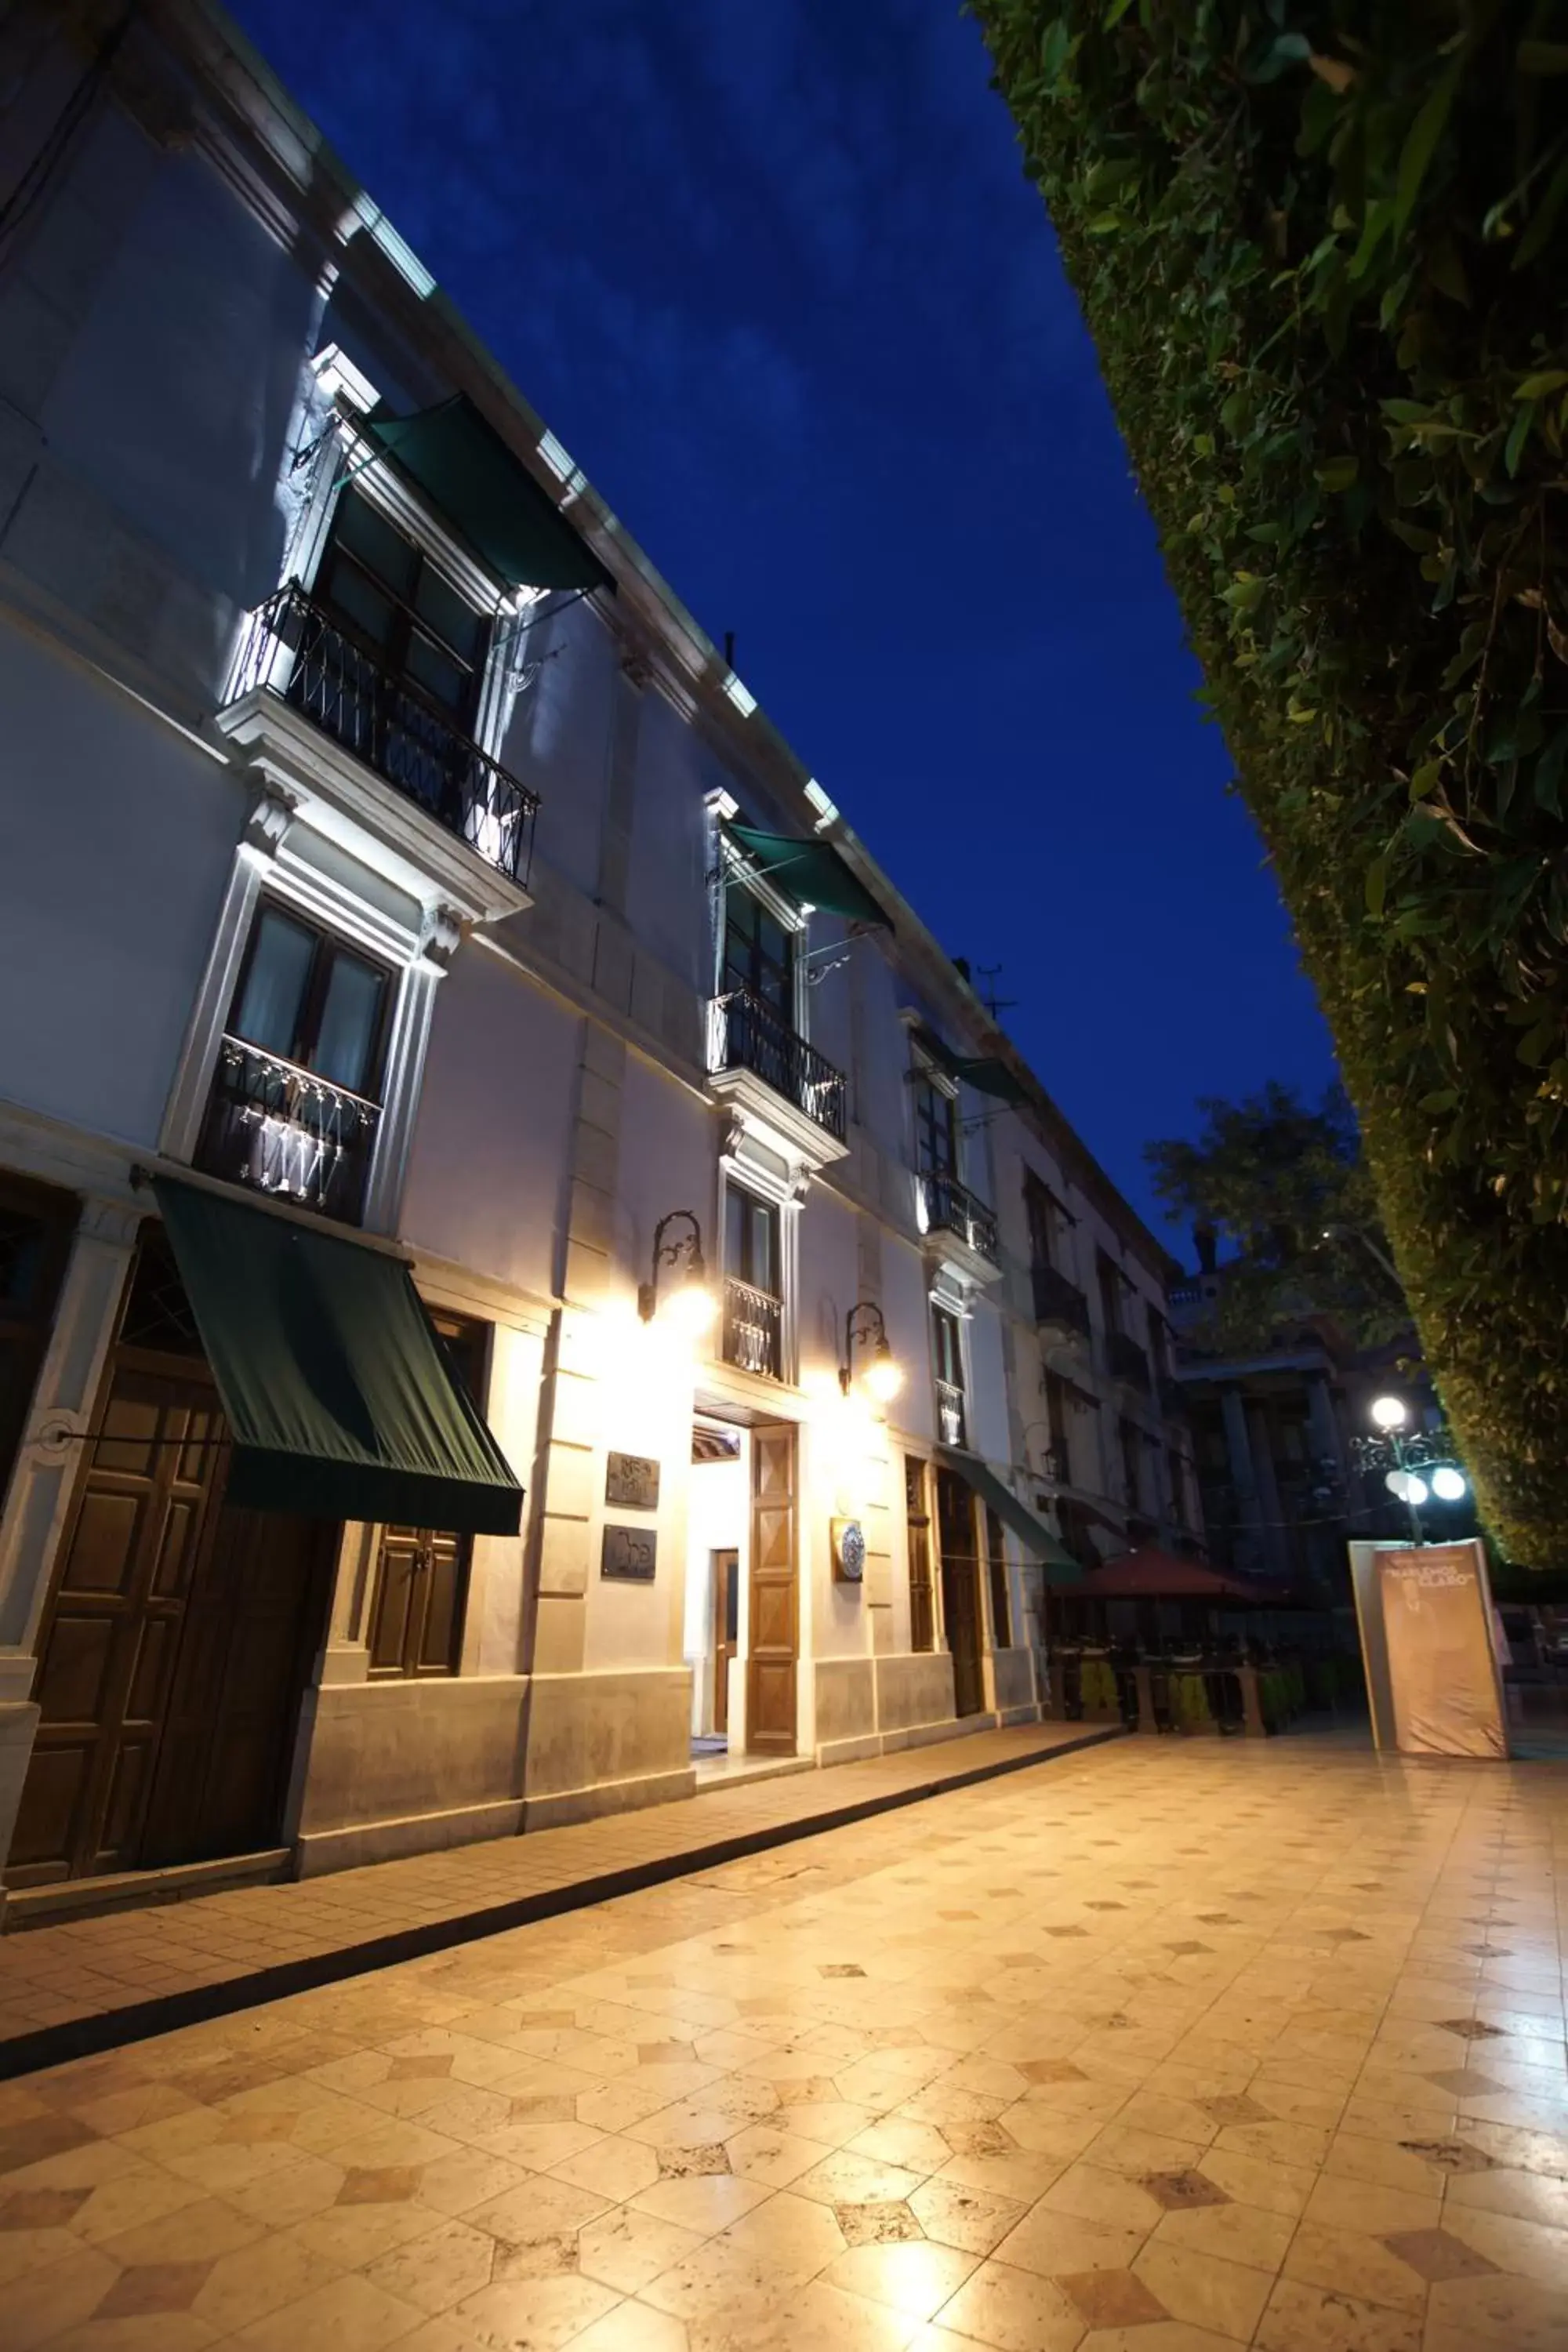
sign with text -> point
(1436, 1624)
(631, 1482)
(629, 1554)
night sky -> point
(770, 270)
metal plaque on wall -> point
(630, 1554)
(631, 1482)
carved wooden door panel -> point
(960, 1589)
(143, 1517)
(775, 1612)
(726, 1630)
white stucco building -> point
(399, 894)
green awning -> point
(337, 1396)
(466, 470)
(809, 870)
(1033, 1533)
(985, 1072)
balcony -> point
(753, 1329)
(1128, 1361)
(945, 1207)
(1055, 1464)
(1059, 1304)
(294, 651)
(951, 1425)
(754, 1056)
(281, 1129)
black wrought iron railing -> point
(948, 1208)
(1055, 1463)
(1059, 1302)
(1127, 1360)
(753, 1329)
(952, 1424)
(296, 649)
(745, 1033)
(283, 1129)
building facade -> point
(426, 976)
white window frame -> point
(734, 871)
(739, 1166)
(273, 862)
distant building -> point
(1273, 1437)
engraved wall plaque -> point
(631, 1482)
(629, 1554)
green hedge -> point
(1324, 252)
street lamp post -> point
(1408, 1457)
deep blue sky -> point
(771, 273)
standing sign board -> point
(1437, 1636)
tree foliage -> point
(1323, 251)
(1285, 1184)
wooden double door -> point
(774, 1634)
(174, 1650)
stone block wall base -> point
(607, 1797)
(18, 1722)
(850, 1751)
(1009, 1716)
(396, 1836)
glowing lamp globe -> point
(1388, 1411)
(690, 1308)
(883, 1377)
(1448, 1484)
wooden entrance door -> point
(960, 1589)
(774, 1612)
(726, 1630)
(144, 1513)
(178, 1634)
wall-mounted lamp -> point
(688, 1303)
(864, 1328)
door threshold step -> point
(81, 1899)
(719, 1772)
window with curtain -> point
(420, 1592)
(947, 1352)
(313, 1000)
(753, 1284)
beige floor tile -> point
(538, 2313)
(349, 2315)
(261, 2277)
(706, 2202)
(1204, 2291)
(1301, 2317)
(1056, 2244)
(437, 2270)
(915, 2276)
(1501, 2314)
(1349, 2262)
(624, 2249)
(1233, 2233)
(633, 2327)
(1014, 2310)
(1527, 2248)
(1092, 2192)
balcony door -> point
(775, 1612)
(758, 953)
(179, 1632)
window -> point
(758, 953)
(917, 1508)
(1159, 1344)
(753, 1285)
(35, 1227)
(1113, 1284)
(421, 1587)
(996, 1562)
(1176, 1473)
(936, 1136)
(947, 1348)
(1050, 1225)
(1058, 1406)
(409, 619)
(1129, 1440)
(296, 1093)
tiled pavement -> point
(84, 1984)
(1165, 2048)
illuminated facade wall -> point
(546, 1093)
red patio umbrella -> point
(1151, 1573)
